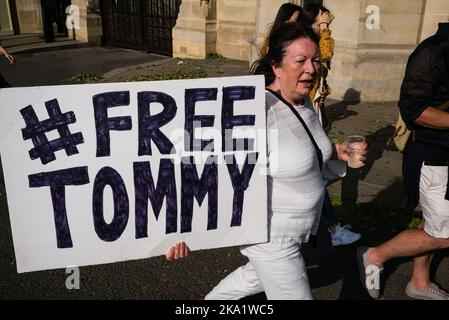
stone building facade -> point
(373, 37)
(5, 18)
(27, 14)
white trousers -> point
(277, 269)
(435, 208)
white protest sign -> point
(100, 173)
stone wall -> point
(370, 59)
(266, 13)
(195, 32)
(30, 16)
(435, 11)
(5, 18)
(232, 28)
(236, 27)
(90, 29)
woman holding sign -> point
(299, 154)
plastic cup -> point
(354, 148)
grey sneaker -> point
(369, 274)
(431, 293)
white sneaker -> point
(431, 293)
(369, 274)
(342, 236)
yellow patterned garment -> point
(327, 45)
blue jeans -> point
(328, 217)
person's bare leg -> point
(421, 268)
(408, 243)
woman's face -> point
(297, 72)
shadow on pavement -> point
(339, 111)
(377, 143)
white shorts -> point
(435, 208)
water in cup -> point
(354, 145)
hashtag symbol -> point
(35, 130)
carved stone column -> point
(195, 33)
(90, 25)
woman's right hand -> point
(179, 251)
(9, 57)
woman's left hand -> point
(341, 151)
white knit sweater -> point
(295, 182)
